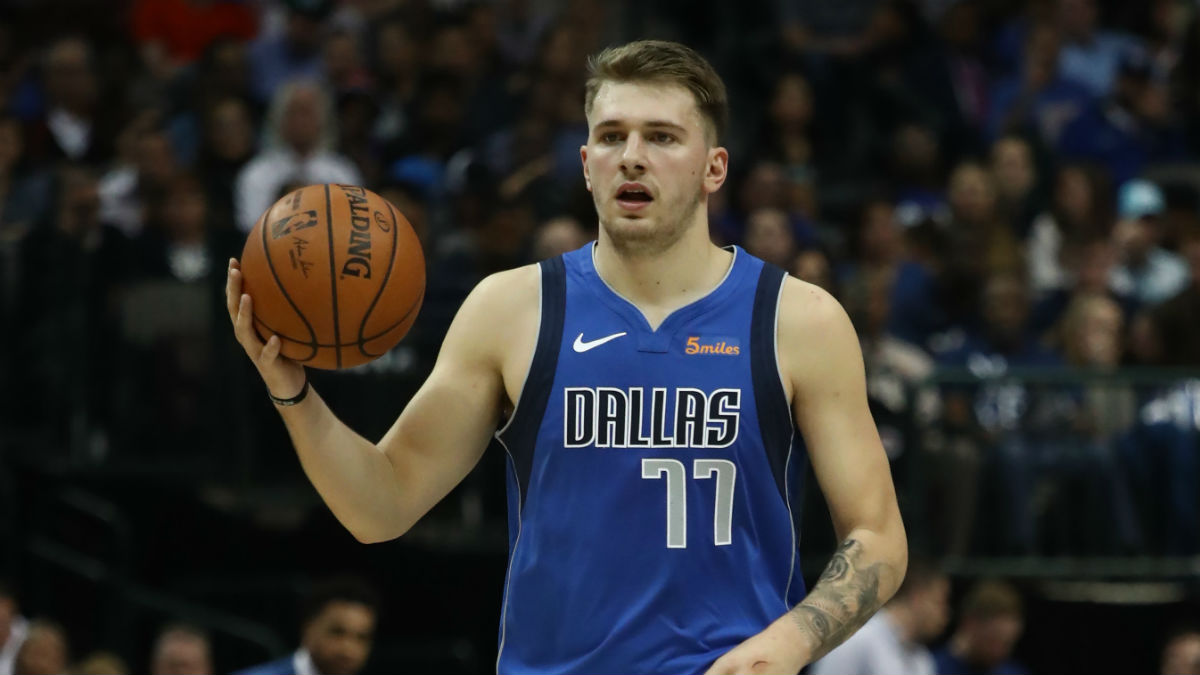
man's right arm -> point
(378, 491)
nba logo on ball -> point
(336, 272)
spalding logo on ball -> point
(336, 272)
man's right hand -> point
(284, 378)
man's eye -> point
(663, 137)
(611, 137)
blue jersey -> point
(653, 479)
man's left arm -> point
(822, 369)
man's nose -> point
(633, 157)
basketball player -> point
(652, 391)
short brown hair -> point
(990, 599)
(660, 61)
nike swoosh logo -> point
(581, 346)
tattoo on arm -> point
(846, 595)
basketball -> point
(336, 272)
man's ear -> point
(717, 169)
(587, 179)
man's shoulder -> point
(500, 310)
(281, 666)
(511, 288)
(809, 305)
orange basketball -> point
(336, 272)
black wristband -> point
(293, 400)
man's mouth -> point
(633, 197)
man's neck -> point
(659, 283)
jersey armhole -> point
(774, 414)
(519, 433)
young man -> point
(650, 387)
(337, 630)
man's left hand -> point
(779, 650)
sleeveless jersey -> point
(653, 479)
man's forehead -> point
(638, 102)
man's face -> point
(648, 163)
(182, 654)
(932, 608)
(303, 119)
(339, 638)
(1006, 308)
(992, 639)
(43, 653)
(70, 81)
(1182, 655)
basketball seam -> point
(337, 333)
(286, 296)
(382, 285)
(412, 308)
(368, 338)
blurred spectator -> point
(343, 63)
(1181, 652)
(893, 640)
(174, 33)
(145, 166)
(894, 367)
(1016, 178)
(990, 621)
(77, 123)
(769, 236)
(398, 71)
(1013, 423)
(45, 650)
(294, 52)
(181, 649)
(788, 135)
(812, 264)
(1132, 128)
(916, 174)
(826, 27)
(229, 143)
(980, 243)
(1177, 317)
(1090, 55)
(413, 204)
(1092, 331)
(70, 273)
(300, 136)
(1038, 100)
(1092, 335)
(518, 29)
(337, 628)
(1146, 272)
(557, 236)
(101, 663)
(183, 245)
(222, 74)
(767, 188)
(1079, 213)
(13, 629)
(946, 70)
(24, 190)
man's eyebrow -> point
(650, 123)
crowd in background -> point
(989, 187)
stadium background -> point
(957, 172)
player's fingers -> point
(233, 289)
(244, 329)
(270, 350)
